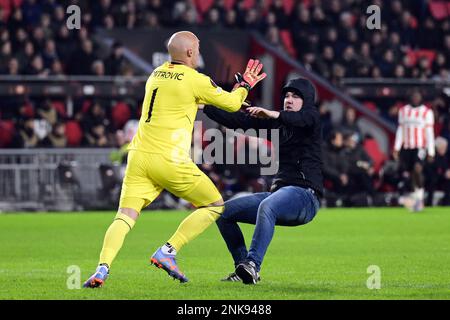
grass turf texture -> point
(326, 259)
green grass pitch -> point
(326, 259)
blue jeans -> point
(288, 206)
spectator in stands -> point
(96, 137)
(231, 19)
(213, 20)
(19, 38)
(98, 68)
(393, 14)
(47, 112)
(108, 22)
(410, 71)
(5, 55)
(26, 55)
(352, 38)
(407, 33)
(32, 11)
(56, 138)
(86, 20)
(345, 22)
(320, 20)
(392, 113)
(360, 166)
(426, 38)
(100, 10)
(440, 63)
(36, 67)
(376, 73)
(424, 68)
(326, 61)
(239, 7)
(335, 167)
(2, 18)
(325, 120)
(270, 20)
(58, 18)
(38, 38)
(301, 27)
(309, 61)
(64, 45)
(131, 16)
(399, 72)
(364, 60)
(377, 46)
(331, 39)
(25, 136)
(437, 173)
(337, 74)
(151, 21)
(4, 35)
(162, 10)
(13, 67)
(15, 21)
(280, 17)
(395, 44)
(273, 37)
(348, 125)
(348, 61)
(49, 54)
(334, 11)
(82, 60)
(57, 69)
(188, 18)
(441, 107)
(252, 20)
(96, 114)
(446, 46)
(387, 64)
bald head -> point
(183, 47)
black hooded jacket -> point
(300, 155)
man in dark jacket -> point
(296, 188)
(360, 171)
(335, 167)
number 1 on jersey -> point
(150, 109)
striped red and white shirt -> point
(415, 129)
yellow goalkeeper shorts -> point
(147, 174)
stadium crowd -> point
(327, 37)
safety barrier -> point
(53, 179)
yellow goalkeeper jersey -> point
(172, 95)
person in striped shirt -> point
(414, 144)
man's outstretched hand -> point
(262, 113)
(251, 75)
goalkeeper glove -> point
(251, 76)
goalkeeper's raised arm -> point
(207, 92)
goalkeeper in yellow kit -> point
(159, 156)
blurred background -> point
(70, 99)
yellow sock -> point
(194, 224)
(114, 237)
